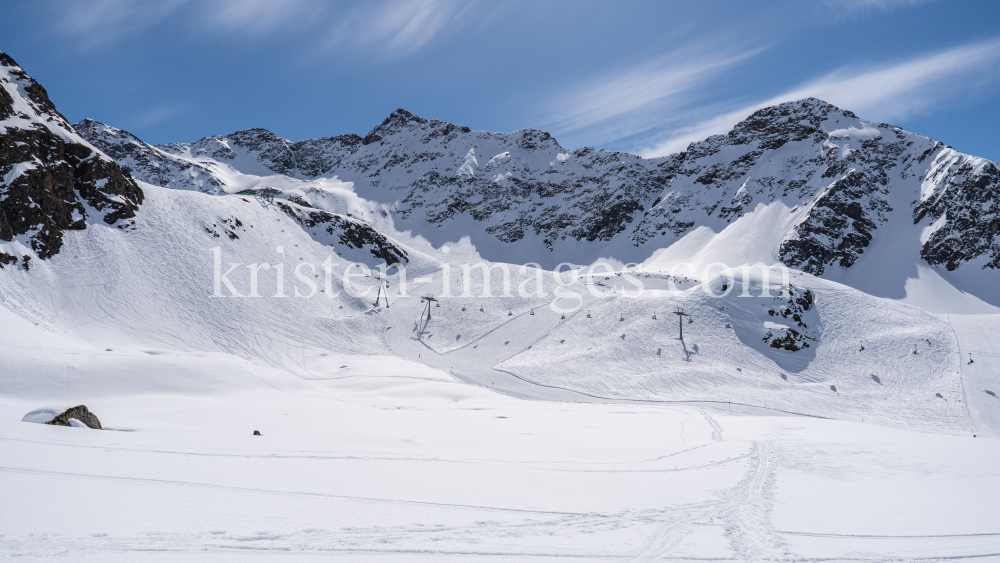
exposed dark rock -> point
(80, 413)
(54, 181)
(968, 199)
(792, 307)
(346, 231)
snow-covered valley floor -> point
(393, 460)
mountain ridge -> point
(531, 193)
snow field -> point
(400, 463)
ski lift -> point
(654, 315)
(563, 316)
(729, 325)
(532, 312)
(862, 346)
(480, 308)
(970, 358)
(690, 320)
(463, 307)
(510, 313)
(588, 313)
(622, 319)
(437, 304)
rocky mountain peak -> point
(402, 120)
(30, 91)
(396, 121)
(52, 179)
(110, 140)
(791, 121)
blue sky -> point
(646, 77)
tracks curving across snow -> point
(747, 512)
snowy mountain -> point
(842, 180)
(729, 413)
(53, 180)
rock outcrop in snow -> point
(51, 179)
(79, 413)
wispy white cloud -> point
(104, 22)
(385, 27)
(861, 7)
(653, 88)
(399, 27)
(261, 16)
(884, 93)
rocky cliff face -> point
(959, 198)
(51, 179)
(844, 178)
(515, 184)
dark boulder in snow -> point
(80, 413)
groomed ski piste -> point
(488, 433)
